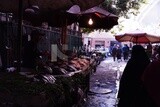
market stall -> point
(57, 84)
(60, 83)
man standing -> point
(31, 54)
(114, 52)
(149, 50)
(125, 50)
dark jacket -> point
(30, 55)
(130, 90)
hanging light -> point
(90, 22)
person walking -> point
(149, 50)
(125, 51)
(130, 92)
(119, 53)
(114, 52)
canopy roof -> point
(47, 5)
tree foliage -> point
(119, 8)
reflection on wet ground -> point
(104, 84)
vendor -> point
(31, 54)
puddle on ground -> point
(98, 90)
(104, 84)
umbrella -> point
(47, 5)
(100, 18)
(51, 11)
(54, 19)
(137, 37)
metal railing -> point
(8, 38)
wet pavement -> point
(104, 84)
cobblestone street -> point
(104, 84)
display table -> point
(28, 88)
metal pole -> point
(19, 38)
(6, 41)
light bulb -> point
(90, 22)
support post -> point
(19, 33)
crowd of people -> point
(139, 83)
(117, 52)
(123, 52)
